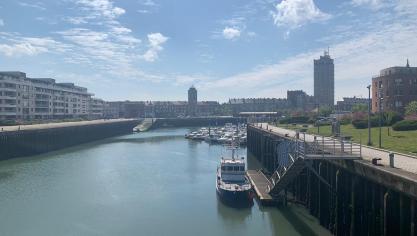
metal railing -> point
(330, 146)
(280, 171)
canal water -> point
(154, 183)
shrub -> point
(346, 119)
(411, 108)
(360, 124)
(294, 119)
(405, 125)
(391, 118)
(363, 123)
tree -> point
(359, 107)
(411, 108)
(325, 111)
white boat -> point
(232, 185)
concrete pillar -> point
(387, 198)
(373, 213)
(412, 217)
(353, 206)
(404, 215)
(319, 188)
(339, 229)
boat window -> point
(242, 168)
(230, 168)
(236, 168)
(223, 168)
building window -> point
(398, 104)
(398, 81)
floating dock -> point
(260, 184)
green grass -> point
(398, 141)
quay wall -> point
(20, 143)
(352, 197)
(195, 122)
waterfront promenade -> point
(401, 161)
(60, 125)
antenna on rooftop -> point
(327, 53)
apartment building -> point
(394, 88)
(349, 103)
(23, 98)
(237, 105)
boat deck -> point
(260, 184)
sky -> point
(156, 49)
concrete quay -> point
(348, 197)
(60, 125)
(401, 162)
(28, 140)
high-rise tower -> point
(324, 80)
(192, 101)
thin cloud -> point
(37, 5)
(231, 33)
(374, 4)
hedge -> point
(363, 124)
(405, 125)
(295, 119)
(388, 119)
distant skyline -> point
(157, 49)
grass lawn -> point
(399, 141)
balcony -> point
(8, 105)
(8, 89)
(7, 113)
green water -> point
(154, 183)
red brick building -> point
(397, 86)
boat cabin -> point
(233, 170)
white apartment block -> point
(23, 98)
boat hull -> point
(235, 198)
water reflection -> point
(234, 215)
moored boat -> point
(232, 184)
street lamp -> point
(380, 115)
(369, 115)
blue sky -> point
(156, 49)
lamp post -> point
(369, 115)
(380, 116)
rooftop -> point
(395, 70)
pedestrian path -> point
(403, 162)
(59, 125)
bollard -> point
(391, 159)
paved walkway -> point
(402, 162)
(58, 125)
